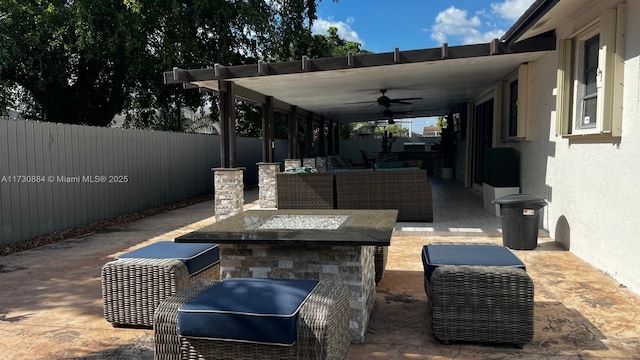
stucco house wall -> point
(593, 187)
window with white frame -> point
(590, 77)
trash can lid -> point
(525, 200)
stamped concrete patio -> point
(51, 304)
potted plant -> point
(501, 176)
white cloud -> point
(511, 9)
(455, 22)
(480, 38)
(320, 26)
(456, 26)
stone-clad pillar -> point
(309, 162)
(267, 189)
(229, 192)
(321, 164)
(290, 164)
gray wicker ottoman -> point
(478, 293)
(136, 282)
(321, 328)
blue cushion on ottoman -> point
(435, 255)
(197, 257)
(249, 310)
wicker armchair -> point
(322, 331)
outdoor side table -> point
(136, 282)
(478, 293)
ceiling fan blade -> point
(360, 102)
(405, 99)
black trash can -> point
(520, 218)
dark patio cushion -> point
(435, 255)
(196, 257)
(399, 169)
(390, 164)
(248, 310)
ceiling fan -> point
(384, 100)
(388, 113)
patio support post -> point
(308, 136)
(267, 186)
(268, 150)
(229, 192)
(468, 158)
(331, 138)
(293, 133)
(322, 138)
(336, 138)
(228, 144)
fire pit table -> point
(333, 245)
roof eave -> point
(536, 11)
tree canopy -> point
(316, 46)
(83, 62)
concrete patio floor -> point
(51, 302)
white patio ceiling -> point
(345, 89)
(339, 94)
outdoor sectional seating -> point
(305, 190)
(406, 189)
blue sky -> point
(381, 26)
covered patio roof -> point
(345, 89)
(425, 82)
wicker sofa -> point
(405, 189)
(305, 191)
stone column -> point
(309, 162)
(321, 164)
(267, 189)
(290, 164)
(229, 192)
